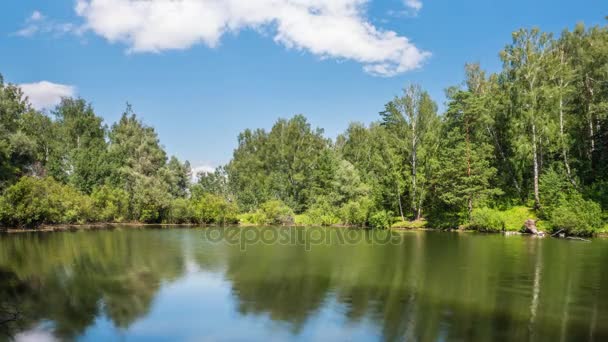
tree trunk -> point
(591, 135)
(414, 185)
(399, 200)
(535, 152)
(590, 94)
(468, 146)
(562, 137)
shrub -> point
(150, 199)
(555, 189)
(110, 204)
(577, 216)
(487, 220)
(515, 217)
(273, 212)
(246, 218)
(416, 224)
(180, 211)
(355, 212)
(322, 213)
(381, 219)
(214, 209)
(34, 201)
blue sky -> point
(203, 72)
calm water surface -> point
(180, 284)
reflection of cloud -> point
(37, 334)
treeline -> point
(71, 168)
(534, 135)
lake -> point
(301, 284)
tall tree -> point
(16, 148)
(524, 64)
(280, 164)
(80, 154)
(177, 175)
(413, 122)
(465, 175)
(136, 158)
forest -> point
(529, 141)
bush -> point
(110, 204)
(34, 201)
(416, 224)
(355, 212)
(272, 213)
(515, 217)
(577, 216)
(487, 220)
(180, 211)
(381, 219)
(246, 218)
(214, 209)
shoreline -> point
(136, 225)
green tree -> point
(80, 152)
(17, 150)
(525, 68)
(413, 124)
(464, 177)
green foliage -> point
(180, 211)
(17, 150)
(577, 216)
(487, 220)
(215, 182)
(416, 224)
(110, 204)
(277, 164)
(33, 201)
(213, 209)
(177, 177)
(149, 200)
(356, 213)
(79, 150)
(381, 219)
(555, 189)
(322, 213)
(515, 217)
(273, 212)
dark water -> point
(177, 284)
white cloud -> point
(36, 15)
(415, 5)
(201, 168)
(328, 29)
(44, 94)
(39, 23)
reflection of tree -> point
(434, 286)
(10, 315)
(72, 278)
(282, 281)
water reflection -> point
(174, 284)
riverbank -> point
(412, 227)
(96, 226)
